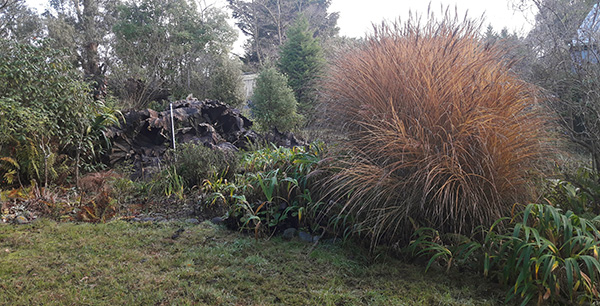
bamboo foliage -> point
(440, 130)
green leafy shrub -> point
(168, 182)
(273, 103)
(549, 255)
(196, 162)
(447, 250)
(50, 124)
(579, 193)
(190, 167)
(275, 200)
(274, 189)
(440, 131)
(544, 254)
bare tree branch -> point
(4, 4)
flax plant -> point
(439, 130)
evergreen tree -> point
(302, 62)
(265, 22)
(273, 103)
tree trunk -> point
(90, 57)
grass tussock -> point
(439, 130)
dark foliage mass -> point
(273, 103)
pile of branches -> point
(144, 136)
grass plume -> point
(439, 130)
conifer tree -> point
(302, 62)
(273, 103)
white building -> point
(584, 48)
(249, 83)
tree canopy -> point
(18, 22)
(556, 66)
(173, 43)
(266, 22)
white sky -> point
(357, 16)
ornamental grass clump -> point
(440, 132)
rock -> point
(288, 140)
(289, 233)
(136, 220)
(227, 147)
(192, 221)
(316, 238)
(304, 236)
(217, 220)
(21, 220)
(147, 219)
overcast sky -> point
(357, 16)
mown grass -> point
(122, 263)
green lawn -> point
(120, 263)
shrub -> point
(226, 82)
(274, 190)
(579, 192)
(448, 250)
(544, 254)
(196, 162)
(168, 182)
(273, 103)
(550, 255)
(440, 131)
(49, 121)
